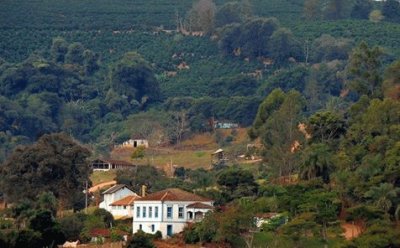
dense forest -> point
(316, 82)
(63, 65)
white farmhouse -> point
(168, 211)
(123, 208)
(135, 142)
(112, 195)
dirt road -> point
(102, 185)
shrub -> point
(141, 240)
(190, 235)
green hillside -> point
(282, 111)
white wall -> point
(147, 205)
(162, 221)
(121, 211)
(110, 198)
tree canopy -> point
(55, 163)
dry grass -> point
(187, 158)
(102, 176)
(191, 153)
(203, 141)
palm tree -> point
(382, 196)
(317, 161)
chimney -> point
(144, 190)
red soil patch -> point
(351, 231)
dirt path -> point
(102, 185)
(351, 230)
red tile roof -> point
(100, 232)
(126, 201)
(199, 205)
(173, 194)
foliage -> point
(147, 175)
(326, 48)
(391, 9)
(317, 162)
(47, 200)
(361, 9)
(140, 240)
(56, 163)
(379, 234)
(44, 223)
(133, 79)
(201, 16)
(390, 85)
(72, 226)
(138, 153)
(364, 70)
(238, 182)
(105, 216)
(226, 226)
(376, 16)
(259, 37)
(232, 12)
(276, 124)
(27, 238)
(286, 79)
(326, 127)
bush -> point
(141, 240)
(106, 216)
(190, 235)
(72, 226)
(28, 238)
(157, 235)
(229, 139)
(5, 224)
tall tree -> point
(58, 50)
(391, 82)
(361, 9)
(334, 9)
(133, 78)
(283, 45)
(364, 70)
(270, 104)
(326, 126)
(327, 48)
(312, 10)
(232, 12)
(391, 10)
(201, 16)
(255, 36)
(75, 54)
(317, 162)
(276, 124)
(55, 163)
(383, 196)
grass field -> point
(192, 153)
(102, 176)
